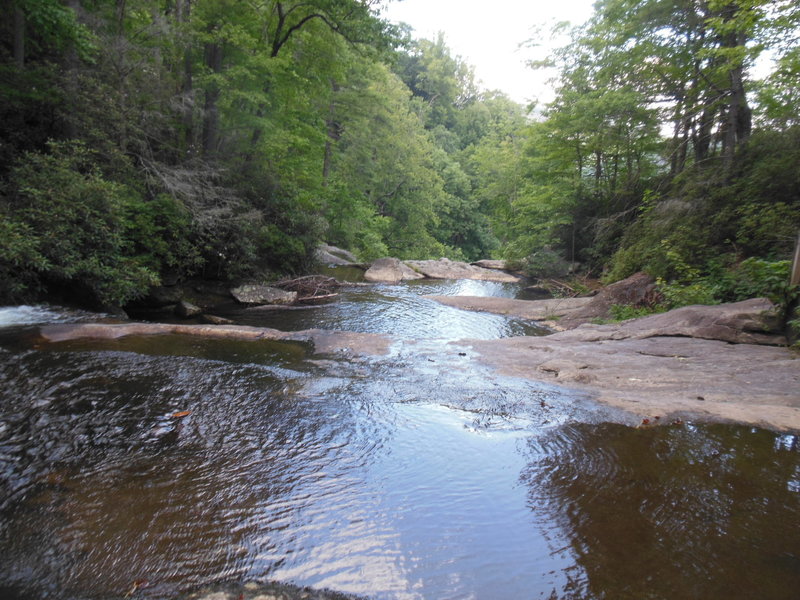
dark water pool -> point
(416, 475)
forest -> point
(144, 141)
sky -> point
(487, 34)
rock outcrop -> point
(534, 310)
(486, 263)
(445, 268)
(636, 290)
(661, 377)
(390, 270)
(331, 255)
(752, 321)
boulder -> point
(390, 270)
(331, 255)
(637, 290)
(160, 296)
(187, 310)
(498, 265)
(255, 294)
(754, 321)
(444, 268)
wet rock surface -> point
(660, 376)
(324, 341)
(708, 362)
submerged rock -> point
(390, 270)
(215, 320)
(255, 294)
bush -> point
(66, 226)
(544, 264)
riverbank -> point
(704, 363)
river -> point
(419, 474)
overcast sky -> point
(488, 33)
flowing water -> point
(419, 474)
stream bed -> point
(185, 462)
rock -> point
(160, 296)
(636, 290)
(187, 310)
(390, 270)
(695, 378)
(752, 321)
(445, 268)
(534, 310)
(323, 341)
(498, 265)
(255, 294)
(331, 255)
(215, 320)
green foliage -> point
(623, 312)
(753, 278)
(544, 264)
(685, 294)
(77, 227)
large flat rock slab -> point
(534, 310)
(665, 377)
(752, 321)
(324, 341)
(448, 269)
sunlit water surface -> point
(420, 474)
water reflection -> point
(672, 512)
(416, 475)
(400, 311)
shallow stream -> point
(420, 474)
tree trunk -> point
(334, 131)
(19, 37)
(186, 141)
(72, 83)
(702, 135)
(211, 111)
(738, 118)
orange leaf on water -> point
(180, 414)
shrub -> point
(545, 263)
(74, 226)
